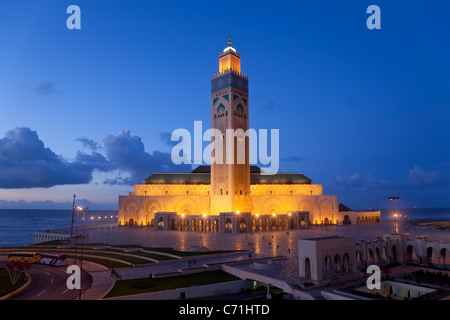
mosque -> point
(234, 197)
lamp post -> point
(82, 247)
(76, 235)
(395, 213)
(73, 214)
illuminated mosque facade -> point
(232, 197)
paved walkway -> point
(262, 244)
(102, 281)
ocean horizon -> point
(17, 225)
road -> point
(49, 283)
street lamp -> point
(395, 213)
(82, 246)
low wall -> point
(40, 237)
(209, 290)
(297, 294)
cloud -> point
(88, 143)
(418, 177)
(46, 88)
(362, 182)
(293, 159)
(126, 153)
(353, 181)
(166, 139)
(26, 163)
(93, 161)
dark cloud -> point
(26, 163)
(46, 88)
(93, 161)
(127, 153)
(88, 143)
(166, 139)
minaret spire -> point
(229, 40)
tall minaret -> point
(230, 183)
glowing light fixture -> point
(229, 48)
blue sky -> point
(363, 112)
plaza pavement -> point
(261, 244)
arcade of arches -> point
(270, 204)
(329, 257)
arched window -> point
(270, 192)
(167, 192)
(240, 192)
(221, 192)
(187, 192)
(291, 192)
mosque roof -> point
(343, 208)
(202, 175)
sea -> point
(17, 226)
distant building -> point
(231, 197)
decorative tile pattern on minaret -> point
(230, 183)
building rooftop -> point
(202, 175)
(343, 208)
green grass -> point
(5, 283)
(144, 285)
(188, 253)
(117, 252)
(104, 262)
(142, 254)
(133, 260)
